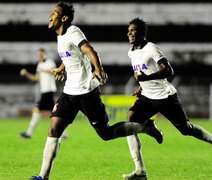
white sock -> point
(33, 123)
(135, 151)
(49, 154)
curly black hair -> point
(141, 26)
(67, 10)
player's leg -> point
(35, 118)
(45, 104)
(200, 133)
(180, 120)
(141, 111)
(36, 115)
(136, 154)
(152, 130)
(56, 129)
(120, 129)
(94, 109)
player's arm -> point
(165, 71)
(59, 72)
(47, 71)
(28, 75)
(98, 69)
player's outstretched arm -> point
(30, 76)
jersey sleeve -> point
(157, 53)
(76, 35)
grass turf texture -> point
(84, 156)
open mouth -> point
(131, 38)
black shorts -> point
(144, 108)
(90, 104)
(46, 101)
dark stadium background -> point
(193, 77)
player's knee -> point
(185, 129)
(53, 132)
(106, 137)
(104, 132)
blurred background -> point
(181, 28)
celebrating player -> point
(81, 90)
(151, 68)
(47, 87)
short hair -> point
(141, 26)
(67, 10)
(42, 50)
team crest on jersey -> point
(65, 54)
(139, 67)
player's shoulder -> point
(50, 61)
(130, 51)
(73, 28)
(152, 47)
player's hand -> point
(141, 76)
(23, 72)
(101, 76)
(58, 74)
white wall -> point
(111, 13)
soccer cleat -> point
(36, 178)
(154, 131)
(25, 135)
(135, 176)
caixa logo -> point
(64, 54)
(139, 67)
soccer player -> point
(81, 90)
(47, 90)
(151, 70)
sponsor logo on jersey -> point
(139, 67)
(65, 54)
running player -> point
(81, 90)
(151, 68)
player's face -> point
(55, 18)
(132, 34)
(41, 56)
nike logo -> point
(94, 123)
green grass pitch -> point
(84, 156)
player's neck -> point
(59, 30)
(140, 45)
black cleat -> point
(36, 178)
(25, 135)
(135, 176)
(154, 131)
